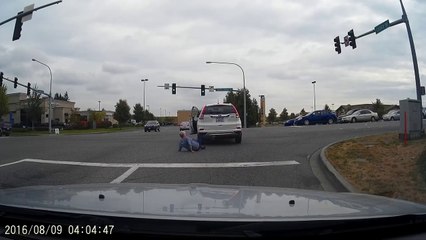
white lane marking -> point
(125, 175)
(134, 166)
(8, 164)
(160, 165)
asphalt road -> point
(272, 156)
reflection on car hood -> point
(206, 202)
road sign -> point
(28, 9)
(211, 88)
(382, 26)
(223, 89)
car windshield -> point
(233, 104)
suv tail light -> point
(202, 113)
(235, 111)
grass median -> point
(383, 165)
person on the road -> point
(188, 143)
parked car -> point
(184, 126)
(424, 113)
(339, 119)
(392, 115)
(289, 122)
(316, 117)
(219, 120)
(363, 115)
(5, 128)
(152, 125)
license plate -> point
(219, 119)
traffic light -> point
(352, 41)
(1, 79)
(337, 47)
(29, 89)
(203, 90)
(173, 88)
(15, 83)
(18, 28)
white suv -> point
(219, 120)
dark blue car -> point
(289, 122)
(316, 117)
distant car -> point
(152, 125)
(316, 117)
(339, 119)
(219, 121)
(424, 113)
(5, 128)
(184, 126)
(363, 115)
(289, 122)
(392, 115)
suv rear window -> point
(219, 109)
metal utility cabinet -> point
(411, 123)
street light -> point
(99, 106)
(144, 80)
(244, 87)
(50, 94)
(315, 107)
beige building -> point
(183, 116)
(17, 103)
(109, 115)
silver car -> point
(363, 115)
(392, 115)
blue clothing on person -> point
(189, 144)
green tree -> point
(4, 109)
(237, 99)
(122, 112)
(302, 112)
(327, 108)
(33, 107)
(58, 96)
(272, 116)
(284, 115)
(138, 112)
(97, 116)
(378, 107)
(292, 115)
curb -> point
(333, 172)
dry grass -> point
(382, 165)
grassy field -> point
(382, 165)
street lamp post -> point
(244, 87)
(50, 94)
(99, 106)
(144, 80)
(315, 107)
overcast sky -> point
(100, 50)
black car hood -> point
(205, 202)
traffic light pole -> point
(23, 14)
(26, 86)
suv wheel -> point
(238, 139)
(306, 122)
(330, 121)
(353, 120)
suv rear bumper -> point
(221, 134)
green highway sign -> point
(382, 26)
(224, 89)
